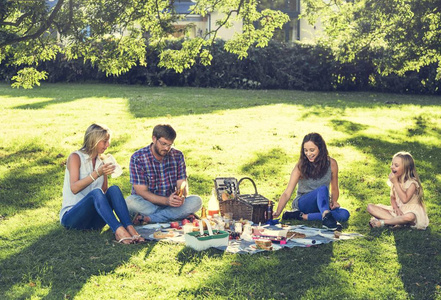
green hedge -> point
(277, 66)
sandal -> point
(138, 239)
(121, 241)
(373, 223)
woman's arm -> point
(73, 166)
(284, 198)
(335, 191)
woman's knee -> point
(370, 207)
(323, 189)
(342, 215)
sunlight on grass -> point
(223, 133)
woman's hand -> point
(333, 205)
(276, 214)
(106, 169)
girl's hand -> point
(392, 177)
(398, 212)
(106, 169)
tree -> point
(407, 33)
(113, 34)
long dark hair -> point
(319, 167)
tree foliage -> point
(407, 31)
(113, 34)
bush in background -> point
(277, 66)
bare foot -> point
(122, 236)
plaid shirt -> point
(159, 176)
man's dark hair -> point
(164, 131)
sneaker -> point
(329, 222)
(289, 215)
(339, 227)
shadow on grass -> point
(58, 265)
(257, 276)
(37, 181)
(419, 257)
(145, 102)
(418, 251)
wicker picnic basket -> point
(242, 206)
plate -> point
(327, 234)
(156, 226)
(306, 241)
(306, 232)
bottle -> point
(269, 211)
(213, 204)
(203, 217)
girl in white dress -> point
(406, 197)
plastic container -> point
(213, 204)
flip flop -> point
(121, 241)
(136, 239)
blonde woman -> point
(88, 203)
(406, 197)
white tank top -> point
(69, 198)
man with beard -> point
(159, 181)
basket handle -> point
(252, 181)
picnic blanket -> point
(313, 236)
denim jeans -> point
(97, 209)
(316, 202)
(160, 213)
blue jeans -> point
(96, 210)
(316, 202)
(160, 213)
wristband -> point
(90, 175)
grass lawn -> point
(222, 133)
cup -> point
(188, 227)
(110, 159)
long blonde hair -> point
(95, 133)
(410, 172)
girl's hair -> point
(319, 167)
(410, 172)
(95, 134)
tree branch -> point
(40, 31)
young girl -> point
(314, 173)
(406, 197)
(87, 202)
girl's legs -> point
(315, 204)
(378, 212)
(382, 214)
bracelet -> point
(90, 175)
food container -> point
(209, 239)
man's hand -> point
(175, 201)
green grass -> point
(222, 133)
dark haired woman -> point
(314, 172)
